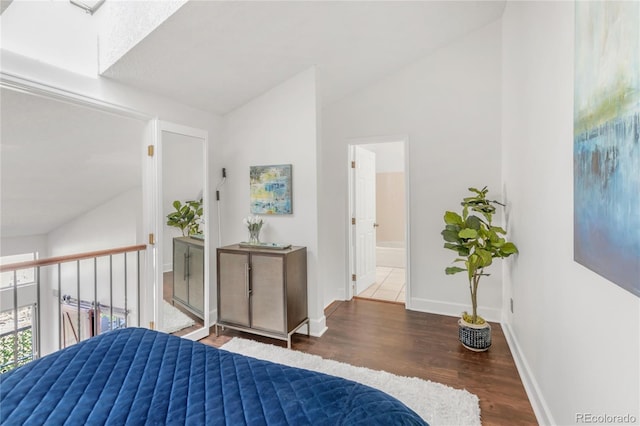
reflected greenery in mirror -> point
(187, 217)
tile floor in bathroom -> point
(389, 285)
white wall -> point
(116, 223)
(575, 335)
(27, 244)
(278, 127)
(448, 104)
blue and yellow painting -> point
(270, 189)
(607, 141)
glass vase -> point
(254, 236)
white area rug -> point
(436, 403)
(174, 319)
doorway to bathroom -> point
(378, 220)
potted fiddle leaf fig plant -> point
(187, 217)
(477, 242)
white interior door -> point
(365, 218)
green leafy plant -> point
(476, 241)
(187, 217)
(24, 352)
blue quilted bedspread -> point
(139, 376)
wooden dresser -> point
(188, 274)
(262, 291)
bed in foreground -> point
(140, 376)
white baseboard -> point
(538, 403)
(317, 327)
(451, 309)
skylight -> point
(54, 32)
(89, 6)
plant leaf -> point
(498, 229)
(452, 218)
(473, 222)
(509, 249)
(450, 236)
(485, 257)
(468, 233)
(453, 270)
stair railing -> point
(83, 302)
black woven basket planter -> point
(474, 337)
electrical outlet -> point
(511, 304)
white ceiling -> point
(4, 4)
(217, 55)
(60, 160)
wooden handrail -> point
(70, 258)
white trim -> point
(318, 326)
(348, 289)
(404, 139)
(536, 398)
(37, 88)
(408, 303)
(452, 309)
(158, 221)
(149, 205)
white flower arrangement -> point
(253, 223)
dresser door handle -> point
(246, 279)
(186, 266)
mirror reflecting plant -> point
(187, 217)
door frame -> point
(404, 139)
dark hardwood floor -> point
(385, 336)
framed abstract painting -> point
(270, 189)
(606, 146)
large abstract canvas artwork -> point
(607, 141)
(270, 189)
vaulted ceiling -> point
(60, 160)
(217, 55)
